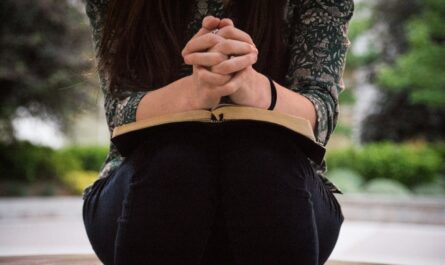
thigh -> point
(101, 209)
(328, 214)
(267, 206)
(171, 202)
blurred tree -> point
(421, 70)
(410, 71)
(44, 54)
(360, 25)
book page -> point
(193, 115)
(237, 112)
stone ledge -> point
(379, 208)
(51, 260)
(92, 260)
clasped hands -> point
(222, 57)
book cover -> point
(127, 137)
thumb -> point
(226, 22)
(210, 23)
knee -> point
(174, 163)
(183, 155)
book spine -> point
(216, 119)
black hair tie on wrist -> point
(273, 91)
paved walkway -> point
(54, 226)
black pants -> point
(228, 193)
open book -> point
(128, 136)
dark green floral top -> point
(317, 33)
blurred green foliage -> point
(27, 162)
(78, 180)
(75, 167)
(357, 60)
(436, 188)
(409, 164)
(386, 186)
(420, 70)
(343, 129)
(346, 97)
(399, 46)
(349, 181)
(407, 38)
(90, 157)
(359, 25)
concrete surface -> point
(51, 260)
(90, 260)
(37, 226)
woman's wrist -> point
(188, 100)
(194, 96)
(256, 93)
(172, 98)
(263, 91)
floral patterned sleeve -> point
(318, 45)
(120, 106)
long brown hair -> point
(142, 40)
